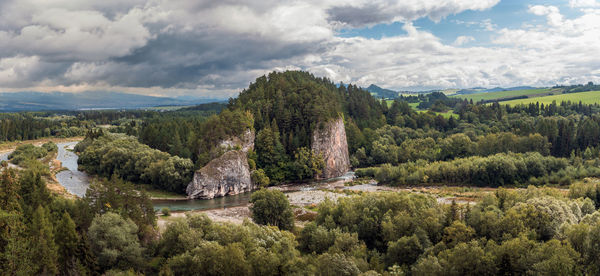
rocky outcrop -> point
(244, 144)
(330, 142)
(228, 174)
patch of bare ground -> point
(312, 197)
(52, 183)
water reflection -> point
(203, 204)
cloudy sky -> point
(215, 48)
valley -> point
(338, 174)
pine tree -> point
(453, 213)
(45, 251)
(9, 196)
(33, 191)
(67, 241)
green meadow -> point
(501, 94)
(590, 97)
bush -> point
(271, 207)
(165, 211)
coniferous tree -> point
(45, 251)
(67, 241)
(9, 197)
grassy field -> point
(590, 97)
(502, 94)
(414, 106)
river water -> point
(4, 156)
(77, 182)
(203, 204)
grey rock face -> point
(228, 174)
(245, 144)
(331, 143)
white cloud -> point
(551, 12)
(461, 40)
(217, 47)
(583, 3)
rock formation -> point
(330, 141)
(228, 174)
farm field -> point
(502, 94)
(590, 97)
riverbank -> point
(10, 146)
(55, 166)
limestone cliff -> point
(330, 142)
(228, 174)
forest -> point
(113, 231)
(539, 165)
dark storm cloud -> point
(218, 47)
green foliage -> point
(28, 152)
(45, 250)
(124, 156)
(34, 125)
(260, 178)
(67, 240)
(271, 207)
(118, 196)
(307, 164)
(165, 211)
(115, 241)
(198, 246)
(492, 171)
(382, 218)
(9, 191)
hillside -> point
(34, 101)
(590, 97)
(504, 95)
(382, 92)
(287, 108)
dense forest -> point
(524, 226)
(112, 231)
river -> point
(77, 182)
(4, 156)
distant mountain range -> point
(495, 89)
(388, 93)
(36, 101)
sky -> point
(215, 48)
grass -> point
(590, 97)
(502, 94)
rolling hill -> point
(379, 92)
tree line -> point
(106, 154)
